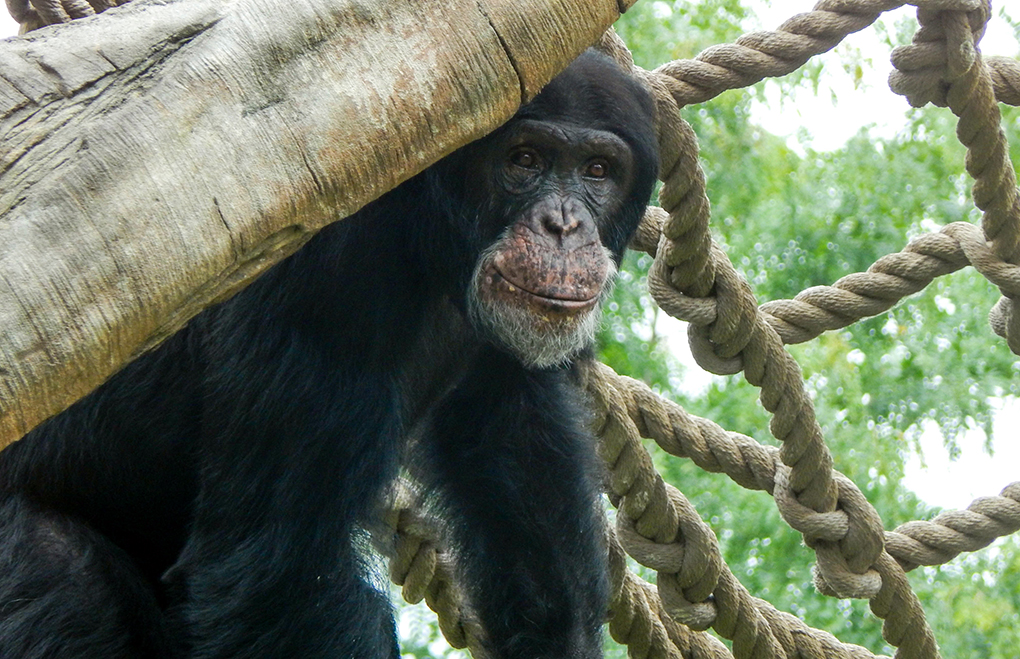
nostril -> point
(560, 224)
(553, 225)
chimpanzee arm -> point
(521, 485)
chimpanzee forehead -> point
(564, 134)
(593, 91)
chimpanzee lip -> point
(564, 304)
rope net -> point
(693, 280)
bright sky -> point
(7, 25)
(951, 484)
(873, 103)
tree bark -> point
(159, 156)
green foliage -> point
(629, 337)
(657, 31)
(791, 217)
(973, 603)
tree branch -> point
(159, 156)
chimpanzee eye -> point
(525, 158)
(597, 169)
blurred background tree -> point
(790, 217)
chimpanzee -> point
(211, 499)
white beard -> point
(537, 341)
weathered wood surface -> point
(157, 157)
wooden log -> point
(157, 157)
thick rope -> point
(758, 55)
(639, 618)
(942, 66)
(655, 521)
(859, 295)
(732, 328)
(1005, 74)
(660, 529)
(955, 531)
(863, 294)
(754, 466)
(728, 333)
(425, 571)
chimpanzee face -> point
(538, 286)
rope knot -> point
(943, 52)
(846, 541)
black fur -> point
(209, 500)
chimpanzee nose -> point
(560, 221)
(563, 221)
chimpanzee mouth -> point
(554, 302)
(541, 329)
